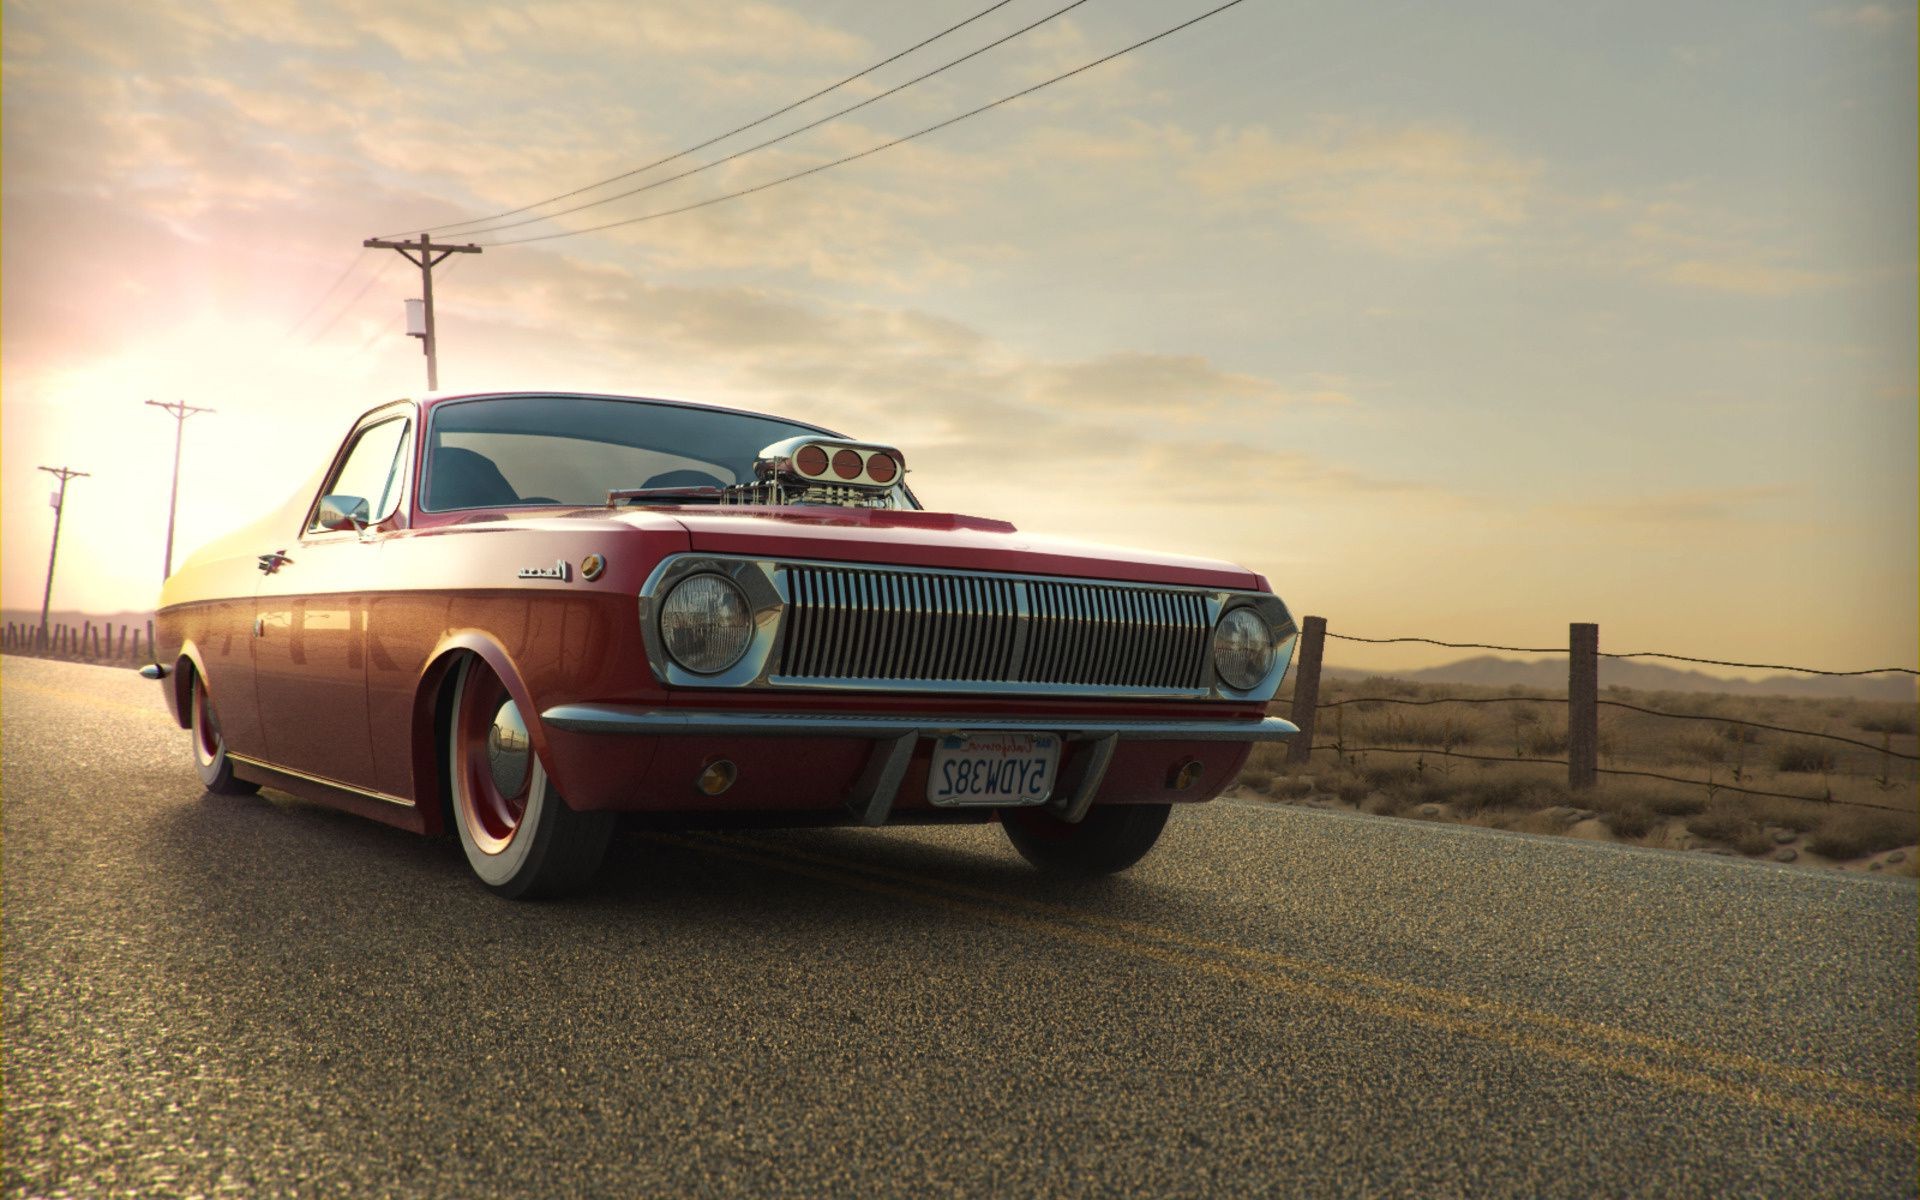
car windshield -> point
(573, 450)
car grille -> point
(856, 624)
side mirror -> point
(341, 513)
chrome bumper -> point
(894, 739)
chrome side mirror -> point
(341, 513)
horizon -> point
(1301, 289)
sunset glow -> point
(1464, 323)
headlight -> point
(1242, 649)
(706, 624)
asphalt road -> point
(215, 996)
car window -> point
(374, 470)
(573, 450)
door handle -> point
(269, 563)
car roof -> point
(431, 400)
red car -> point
(518, 615)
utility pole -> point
(59, 509)
(181, 410)
(425, 255)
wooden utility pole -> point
(425, 255)
(181, 410)
(59, 509)
(1583, 706)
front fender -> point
(431, 692)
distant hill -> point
(1489, 670)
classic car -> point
(517, 616)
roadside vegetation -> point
(1403, 760)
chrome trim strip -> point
(693, 722)
(320, 779)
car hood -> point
(924, 539)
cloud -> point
(1409, 189)
(1747, 278)
(1869, 18)
(1699, 506)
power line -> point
(791, 133)
(348, 307)
(659, 162)
(333, 287)
(654, 216)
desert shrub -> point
(1386, 685)
(1350, 788)
(1630, 820)
(1743, 735)
(1257, 778)
(1677, 803)
(1441, 731)
(1732, 822)
(1389, 777)
(1702, 749)
(1788, 814)
(1886, 723)
(1804, 756)
(1546, 741)
(1853, 832)
(1293, 786)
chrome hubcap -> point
(509, 750)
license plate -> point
(1010, 769)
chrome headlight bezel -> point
(706, 623)
(1245, 646)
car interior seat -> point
(467, 479)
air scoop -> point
(809, 461)
(821, 470)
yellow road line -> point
(1725, 1059)
(1676, 1078)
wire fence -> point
(86, 642)
(1583, 704)
(1712, 662)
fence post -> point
(1583, 705)
(1306, 689)
(136, 645)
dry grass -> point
(1855, 833)
(1715, 751)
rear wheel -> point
(520, 837)
(1111, 838)
(209, 748)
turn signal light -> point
(716, 777)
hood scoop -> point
(824, 471)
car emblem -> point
(560, 570)
(593, 566)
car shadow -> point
(255, 856)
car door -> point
(310, 613)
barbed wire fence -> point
(1583, 703)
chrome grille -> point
(846, 624)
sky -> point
(1463, 321)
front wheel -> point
(210, 749)
(1111, 838)
(520, 837)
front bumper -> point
(894, 738)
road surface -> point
(257, 996)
